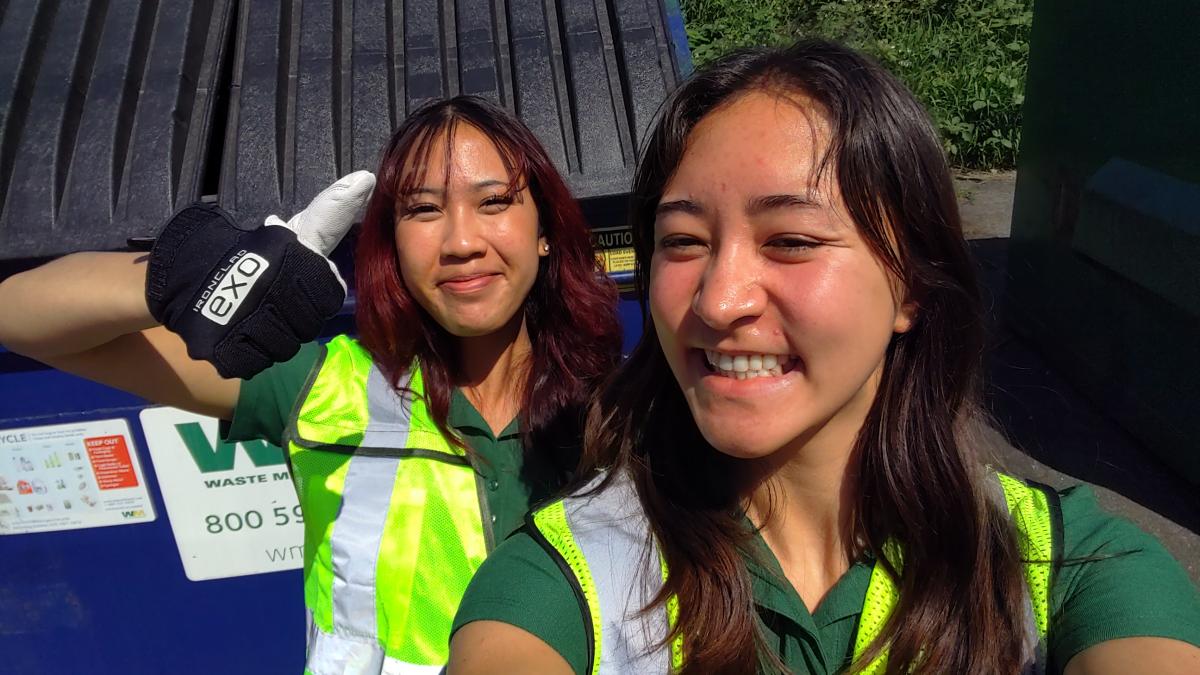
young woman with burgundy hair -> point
(484, 323)
(786, 475)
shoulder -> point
(1115, 581)
(521, 584)
(286, 379)
(265, 401)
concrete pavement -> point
(1047, 431)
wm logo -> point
(210, 457)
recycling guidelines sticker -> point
(232, 506)
(69, 477)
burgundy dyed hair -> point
(570, 312)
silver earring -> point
(546, 248)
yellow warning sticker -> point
(614, 249)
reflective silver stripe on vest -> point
(388, 411)
(342, 655)
(336, 655)
(1032, 645)
(614, 536)
(354, 646)
(393, 667)
(354, 544)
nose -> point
(464, 235)
(730, 290)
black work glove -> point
(244, 299)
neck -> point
(492, 370)
(803, 498)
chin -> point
(472, 330)
(741, 443)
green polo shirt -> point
(512, 483)
(1123, 584)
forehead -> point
(457, 155)
(762, 141)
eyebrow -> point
(678, 206)
(784, 201)
(481, 185)
(757, 204)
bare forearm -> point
(74, 304)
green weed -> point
(964, 59)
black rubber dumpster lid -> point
(113, 114)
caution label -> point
(614, 249)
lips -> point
(467, 283)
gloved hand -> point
(244, 299)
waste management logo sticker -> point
(232, 506)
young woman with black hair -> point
(786, 478)
(484, 322)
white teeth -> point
(746, 367)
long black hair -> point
(916, 483)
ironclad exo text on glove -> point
(244, 299)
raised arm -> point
(86, 314)
(235, 300)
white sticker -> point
(231, 285)
(70, 477)
(232, 506)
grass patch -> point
(964, 59)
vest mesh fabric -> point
(551, 522)
(1028, 507)
(393, 529)
(672, 620)
(1031, 513)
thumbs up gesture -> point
(244, 299)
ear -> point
(905, 316)
(543, 247)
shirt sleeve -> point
(1116, 581)
(265, 401)
(520, 584)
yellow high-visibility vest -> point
(602, 541)
(393, 519)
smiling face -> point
(773, 313)
(468, 248)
